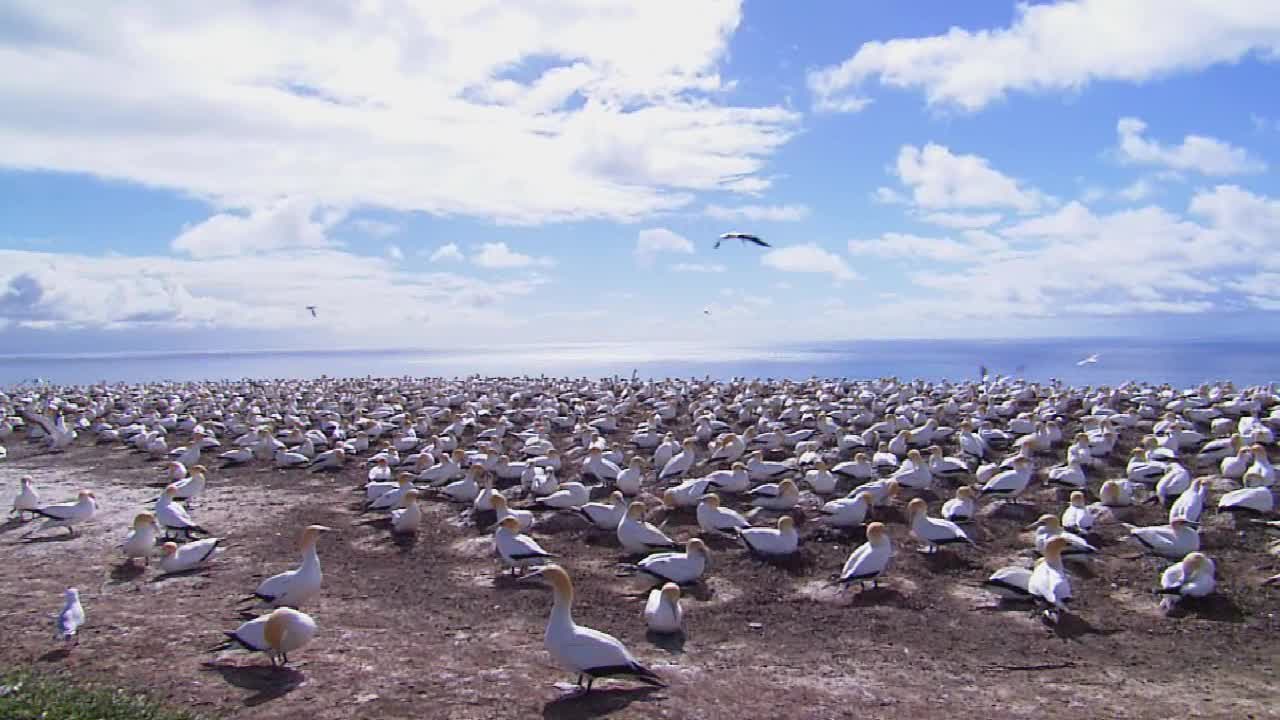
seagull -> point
(1091, 360)
(744, 237)
(312, 308)
(71, 617)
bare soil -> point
(425, 630)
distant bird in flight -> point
(1091, 360)
(744, 237)
(706, 311)
(312, 308)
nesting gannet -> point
(484, 500)
(859, 468)
(501, 508)
(294, 588)
(598, 466)
(1077, 517)
(141, 540)
(568, 496)
(1116, 493)
(1173, 483)
(466, 489)
(961, 508)
(329, 460)
(847, 512)
(171, 515)
(68, 515)
(287, 459)
(408, 516)
(869, 559)
(67, 623)
(1070, 475)
(1048, 527)
(734, 480)
(662, 612)
(820, 479)
(638, 536)
(605, 516)
(1010, 583)
(1049, 583)
(778, 497)
(681, 463)
(177, 470)
(882, 491)
(760, 469)
(779, 541)
(1255, 499)
(914, 472)
(1174, 540)
(681, 568)
(181, 558)
(1190, 504)
(714, 518)
(581, 650)
(515, 550)
(933, 532)
(27, 500)
(192, 487)
(277, 634)
(1009, 484)
(1192, 577)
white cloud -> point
(849, 104)
(653, 241)
(497, 256)
(939, 179)
(375, 228)
(1205, 155)
(888, 196)
(698, 268)
(394, 252)
(1060, 46)
(521, 113)
(757, 213)
(808, 258)
(447, 252)
(962, 221)
(289, 223)
(1139, 189)
(901, 245)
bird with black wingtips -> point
(68, 515)
(294, 588)
(744, 237)
(312, 309)
(516, 550)
(869, 560)
(277, 633)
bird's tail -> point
(647, 676)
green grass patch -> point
(27, 696)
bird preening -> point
(744, 237)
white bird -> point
(869, 559)
(171, 515)
(515, 550)
(1049, 582)
(27, 500)
(408, 516)
(68, 515)
(1254, 499)
(287, 459)
(933, 532)
(141, 540)
(847, 512)
(277, 634)
(962, 507)
(681, 568)
(775, 542)
(1048, 527)
(681, 463)
(662, 611)
(1091, 360)
(605, 516)
(1010, 583)
(1077, 517)
(859, 468)
(734, 480)
(192, 487)
(713, 518)
(638, 536)
(777, 497)
(1010, 483)
(295, 588)
(1192, 577)
(502, 511)
(1174, 540)
(391, 499)
(588, 653)
(1190, 504)
(71, 618)
(820, 479)
(569, 496)
(182, 558)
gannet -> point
(238, 456)
(713, 518)
(943, 466)
(517, 551)
(760, 469)
(606, 516)
(729, 448)
(1010, 583)
(820, 479)
(177, 470)
(914, 472)
(638, 536)
(933, 532)
(869, 559)
(181, 558)
(1255, 499)
(286, 459)
(1174, 540)
(68, 515)
(681, 463)
(881, 491)
(961, 508)
(770, 541)
(408, 516)
(68, 622)
(1049, 583)
(1261, 473)
(1009, 484)
(192, 487)
(523, 518)
(171, 515)
(1172, 484)
(329, 460)
(568, 496)
(859, 468)
(778, 497)
(662, 612)
(141, 540)
(190, 455)
(277, 634)
(630, 479)
(1048, 527)
(1190, 504)
(600, 467)
(484, 500)
(1192, 577)
(1116, 493)
(681, 568)
(1070, 475)
(294, 588)
(27, 500)
(586, 652)
(847, 512)
(466, 489)
(1235, 466)
(734, 480)
(1077, 517)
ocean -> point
(1183, 363)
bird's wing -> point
(588, 648)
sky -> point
(435, 175)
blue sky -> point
(493, 173)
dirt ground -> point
(423, 630)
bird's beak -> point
(531, 576)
